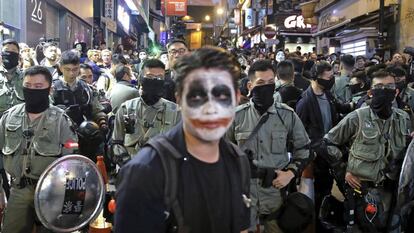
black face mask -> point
(37, 100)
(381, 102)
(262, 97)
(401, 85)
(10, 59)
(356, 88)
(152, 90)
(326, 84)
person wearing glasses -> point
(74, 95)
(378, 137)
(139, 119)
(176, 49)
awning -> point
(294, 34)
(331, 28)
(156, 16)
(252, 30)
(365, 20)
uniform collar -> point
(271, 109)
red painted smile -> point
(222, 122)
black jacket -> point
(140, 190)
(301, 82)
(289, 94)
(169, 86)
(309, 112)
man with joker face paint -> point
(281, 133)
(212, 194)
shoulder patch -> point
(283, 107)
(242, 107)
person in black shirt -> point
(210, 193)
(287, 93)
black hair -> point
(398, 71)
(207, 57)
(382, 74)
(11, 41)
(153, 63)
(261, 65)
(285, 70)
(85, 66)
(319, 68)
(298, 64)
(47, 45)
(35, 70)
(69, 57)
(308, 64)
(348, 60)
(371, 70)
(118, 59)
(360, 57)
(360, 75)
(176, 41)
(298, 47)
(120, 72)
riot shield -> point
(405, 198)
(69, 194)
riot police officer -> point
(11, 90)
(378, 134)
(75, 96)
(33, 135)
(267, 144)
(139, 119)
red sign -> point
(175, 7)
(269, 32)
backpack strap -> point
(169, 159)
(244, 166)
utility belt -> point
(24, 181)
(369, 206)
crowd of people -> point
(167, 125)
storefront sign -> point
(35, 20)
(109, 9)
(292, 23)
(249, 17)
(237, 17)
(296, 21)
(123, 18)
(109, 23)
(35, 11)
(176, 7)
(328, 20)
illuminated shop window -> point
(355, 48)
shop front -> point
(352, 27)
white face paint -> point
(208, 103)
(280, 56)
(142, 55)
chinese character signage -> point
(109, 9)
(176, 7)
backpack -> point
(170, 160)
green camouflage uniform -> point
(26, 157)
(270, 149)
(11, 90)
(149, 122)
(341, 89)
(370, 152)
(378, 148)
